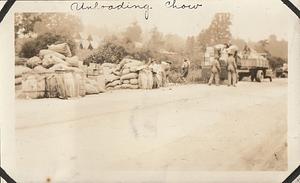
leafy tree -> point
(173, 43)
(24, 23)
(41, 23)
(261, 46)
(142, 55)
(218, 31)
(277, 48)
(190, 45)
(156, 41)
(133, 32)
(58, 23)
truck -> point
(254, 65)
(206, 65)
(282, 72)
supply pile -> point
(56, 73)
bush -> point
(276, 62)
(194, 75)
(142, 55)
(109, 53)
(32, 47)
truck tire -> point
(252, 74)
(240, 77)
(259, 76)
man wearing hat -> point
(231, 69)
(215, 71)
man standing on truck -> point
(215, 71)
(231, 69)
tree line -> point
(34, 31)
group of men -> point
(231, 69)
(161, 70)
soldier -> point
(185, 70)
(231, 69)
(215, 71)
(166, 66)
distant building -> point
(87, 41)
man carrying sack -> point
(231, 69)
(215, 71)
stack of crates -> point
(209, 56)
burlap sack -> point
(114, 83)
(125, 71)
(62, 48)
(126, 81)
(18, 80)
(129, 76)
(129, 86)
(40, 69)
(134, 81)
(111, 78)
(20, 70)
(91, 89)
(109, 65)
(50, 52)
(33, 62)
(73, 61)
(20, 61)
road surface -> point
(179, 128)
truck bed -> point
(251, 63)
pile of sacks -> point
(54, 72)
(124, 75)
(20, 70)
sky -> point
(251, 19)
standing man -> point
(166, 67)
(231, 69)
(185, 69)
(215, 71)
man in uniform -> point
(215, 71)
(231, 69)
(166, 67)
(185, 69)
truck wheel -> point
(252, 74)
(241, 77)
(259, 76)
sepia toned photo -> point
(170, 86)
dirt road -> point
(178, 128)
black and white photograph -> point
(150, 86)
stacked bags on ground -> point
(53, 73)
(111, 75)
(129, 69)
(128, 74)
(20, 69)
